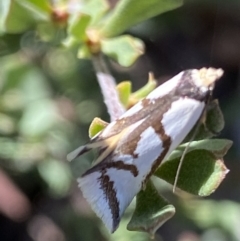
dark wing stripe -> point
(166, 142)
(119, 165)
(111, 198)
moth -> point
(132, 147)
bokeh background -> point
(48, 98)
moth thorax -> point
(206, 77)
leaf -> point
(130, 12)
(38, 118)
(27, 154)
(209, 213)
(70, 42)
(151, 212)
(8, 148)
(19, 15)
(96, 126)
(49, 32)
(29, 82)
(77, 26)
(218, 147)
(215, 119)
(94, 8)
(122, 234)
(57, 175)
(40, 10)
(7, 124)
(144, 91)
(212, 124)
(124, 90)
(13, 17)
(83, 52)
(125, 49)
(8, 43)
(201, 172)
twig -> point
(108, 87)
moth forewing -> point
(144, 136)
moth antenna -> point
(180, 165)
(186, 148)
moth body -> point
(133, 146)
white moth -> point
(132, 147)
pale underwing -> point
(132, 147)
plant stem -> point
(108, 87)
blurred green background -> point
(48, 98)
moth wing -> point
(110, 186)
(107, 143)
(107, 138)
(83, 149)
(110, 190)
(112, 132)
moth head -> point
(206, 77)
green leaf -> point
(201, 172)
(122, 234)
(70, 42)
(144, 91)
(77, 26)
(19, 15)
(49, 32)
(40, 10)
(8, 43)
(96, 126)
(211, 125)
(151, 212)
(130, 12)
(124, 90)
(22, 155)
(209, 213)
(57, 175)
(83, 52)
(7, 124)
(215, 119)
(14, 18)
(218, 147)
(26, 78)
(129, 99)
(38, 118)
(8, 147)
(130, 46)
(94, 8)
